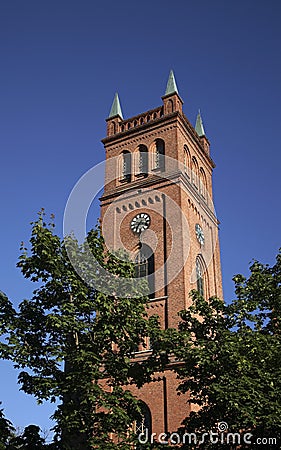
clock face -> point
(140, 223)
(199, 234)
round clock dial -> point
(140, 223)
(199, 234)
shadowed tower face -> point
(158, 205)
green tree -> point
(6, 429)
(30, 439)
(74, 344)
(231, 358)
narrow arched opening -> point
(203, 183)
(186, 160)
(144, 266)
(125, 166)
(143, 425)
(143, 160)
(160, 154)
(194, 172)
(202, 277)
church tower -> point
(158, 205)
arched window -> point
(126, 166)
(144, 423)
(194, 171)
(143, 160)
(203, 183)
(199, 276)
(159, 154)
(202, 277)
(144, 266)
(186, 160)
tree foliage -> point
(231, 358)
(74, 344)
(29, 439)
(6, 429)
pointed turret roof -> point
(116, 108)
(171, 85)
(199, 127)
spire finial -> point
(116, 108)
(171, 85)
(199, 128)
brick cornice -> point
(154, 124)
(140, 129)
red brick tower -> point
(157, 204)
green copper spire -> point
(171, 85)
(199, 128)
(116, 108)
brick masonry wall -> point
(178, 196)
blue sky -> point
(61, 63)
